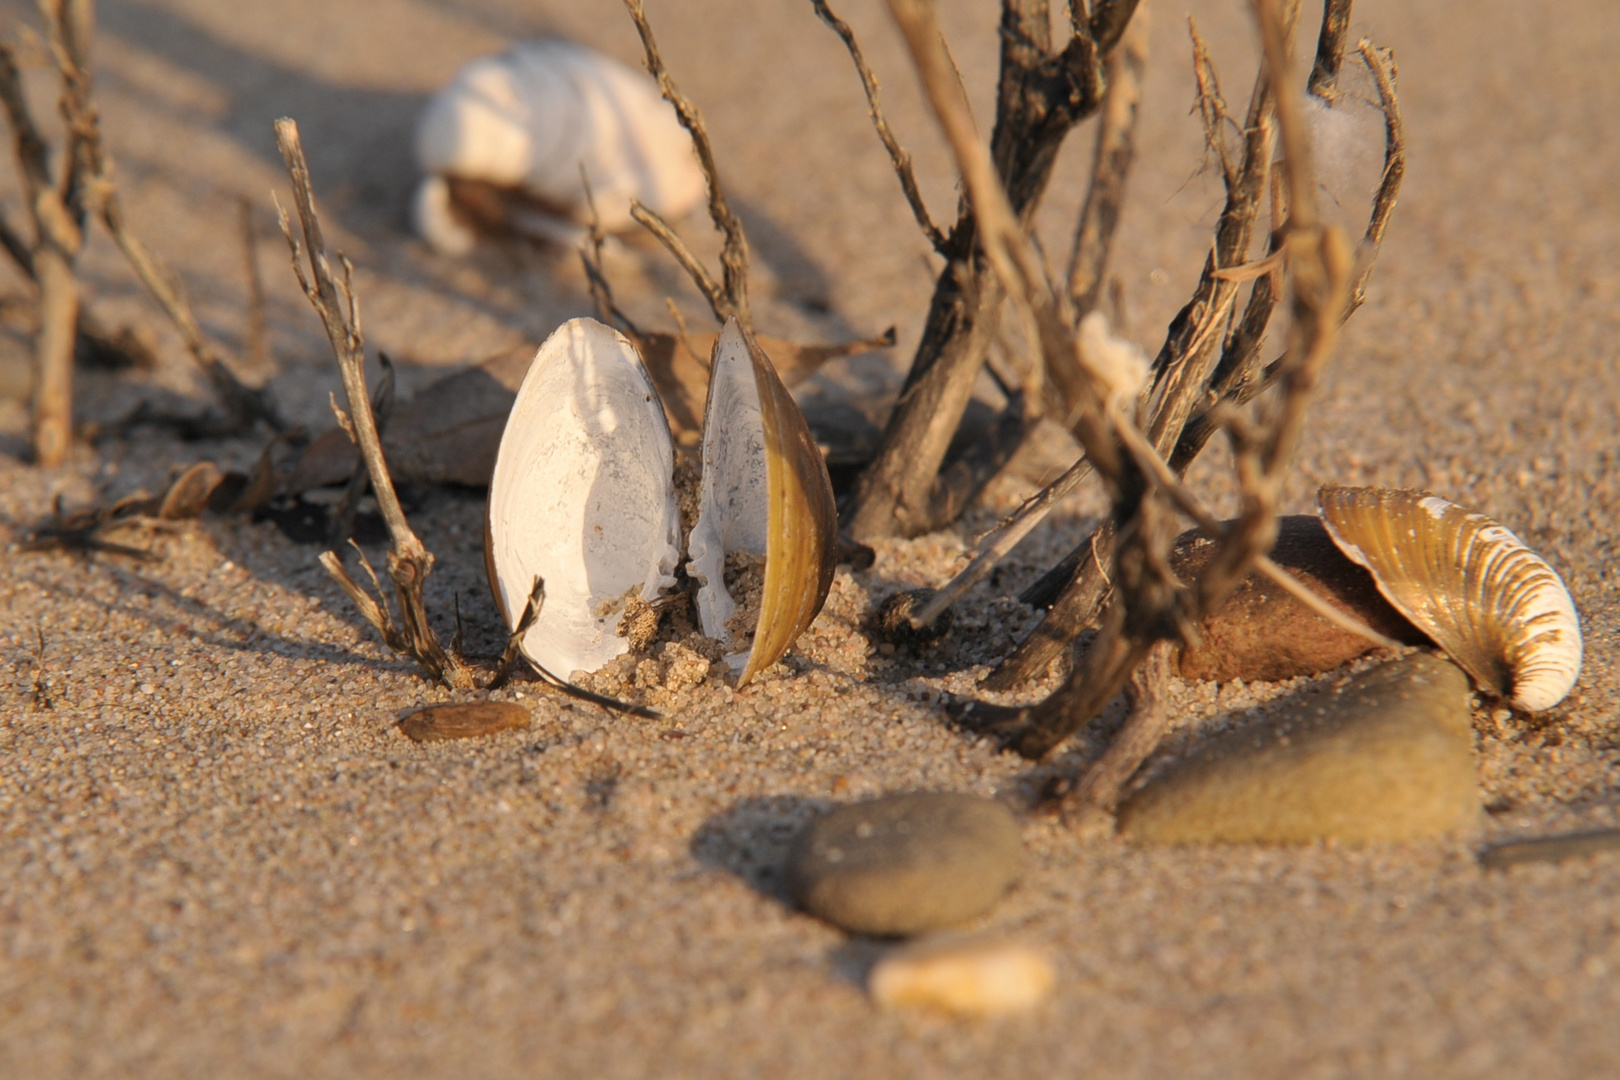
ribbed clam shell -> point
(582, 496)
(534, 116)
(1491, 603)
(765, 491)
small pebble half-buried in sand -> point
(906, 864)
(468, 720)
(966, 977)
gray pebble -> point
(1386, 756)
(905, 864)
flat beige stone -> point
(1386, 756)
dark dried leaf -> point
(468, 720)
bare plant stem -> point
(60, 211)
(731, 299)
(1041, 94)
(1099, 787)
(1111, 167)
(409, 561)
(58, 240)
(897, 153)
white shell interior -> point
(534, 116)
(733, 504)
(583, 496)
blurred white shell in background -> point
(529, 119)
(1491, 603)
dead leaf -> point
(469, 720)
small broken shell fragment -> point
(1491, 603)
(765, 493)
(527, 123)
(581, 497)
(967, 978)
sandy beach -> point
(219, 856)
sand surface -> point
(219, 857)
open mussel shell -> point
(1491, 603)
(582, 497)
(765, 493)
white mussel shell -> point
(533, 117)
(582, 497)
(1491, 603)
(765, 492)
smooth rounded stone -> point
(905, 864)
(467, 720)
(968, 978)
(1262, 634)
(1386, 756)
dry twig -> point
(60, 210)
(1116, 148)
(1148, 605)
(1075, 588)
(729, 299)
(1043, 91)
(409, 561)
(897, 153)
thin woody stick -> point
(409, 561)
(1382, 67)
(734, 252)
(897, 153)
(1116, 148)
(59, 240)
(1098, 789)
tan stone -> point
(1386, 756)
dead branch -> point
(1099, 787)
(590, 256)
(733, 295)
(1145, 596)
(715, 294)
(242, 404)
(58, 239)
(1147, 601)
(1111, 166)
(409, 561)
(897, 153)
(1042, 92)
(1330, 50)
(1381, 63)
(514, 641)
(1185, 361)
(340, 522)
(85, 190)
